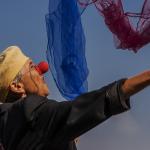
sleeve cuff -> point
(118, 103)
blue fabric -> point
(66, 48)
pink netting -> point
(144, 22)
(126, 36)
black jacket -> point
(37, 123)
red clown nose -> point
(42, 67)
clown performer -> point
(31, 121)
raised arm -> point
(136, 83)
(64, 121)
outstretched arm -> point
(136, 83)
(70, 119)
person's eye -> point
(32, 66)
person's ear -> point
(17, 88)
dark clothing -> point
(37, 123)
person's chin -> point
(43, 94)
(46, 92)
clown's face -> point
(33, 81)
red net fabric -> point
(126, 36)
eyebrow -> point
(30, 62)
(27, 65)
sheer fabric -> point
(66, 47)
(125, 34)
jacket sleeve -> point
(92, 108)
(70, 119)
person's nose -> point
(42, 67)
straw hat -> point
(11, 62)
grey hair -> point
(11, 97)
(18, 77)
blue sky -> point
(23, 24)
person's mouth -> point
(42, 77)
